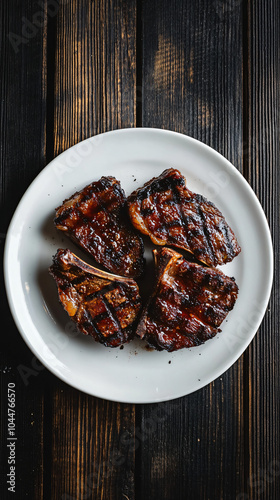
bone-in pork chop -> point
(166, 210)
(102, 305)
(96, 219)
(188, 304)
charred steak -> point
(188, 304)
(101, 304)
(171, 214)
(96, 218)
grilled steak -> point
(101, 304)
(171, 214)
(96, 218)
(188, 304)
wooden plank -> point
(95, 91)
(91, 457)
(192, 83)
(96, 70)
(263, 477)
(22, 156)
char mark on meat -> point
(96, 219)
(167, 211)
(188, 304)
(102, 305)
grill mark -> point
(192, 301)
(105, 289)
(124, 304)
(215, 310)
(127, 334)
(228, 240)
(101, 205)
(147, 193)
(88, 196)
(109, 202)
(84, 218)
(63, 216)
(115, 262)
(113, 224)
(104, 315)
(110, 331)
(183, 219)
(112, 313)
(157, 186)
(113, 308)
(162, 185)
(115, 254)
(91, 321)
(173, 223)
(145, 212)
(206, 233)
(204, 327)
(111, 253)
(213, 251)
(112, 189)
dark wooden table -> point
(206, 68)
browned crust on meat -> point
(188, 304)
(96, 219)
(102, 305)
(166, 210)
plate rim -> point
(266, 296)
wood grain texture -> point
(94, 91)
(22, 156)
(263, 96)
(192, 83)
(207, 69)
(91, 455)
(192, 72)
(95, 81)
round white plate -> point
(133, 374)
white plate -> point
(133, 374)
